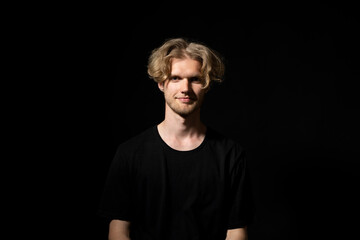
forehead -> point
(185, 66)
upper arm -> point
(119, 230)
(237, 234)
(241, 212)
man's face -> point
(183, 90)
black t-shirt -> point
(170, 194)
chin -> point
(186, 112)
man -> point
(179, 179)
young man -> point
(179, 179)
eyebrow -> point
(192, 76)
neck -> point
(182, 126)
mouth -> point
(185, 99)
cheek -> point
(173, 89)
(201, 92)
(169, 92)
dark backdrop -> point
(289, 96)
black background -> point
(290, 96)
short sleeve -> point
(115, 202)
(241, 204)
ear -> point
(161, 86)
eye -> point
(195, 79)
(174, 78)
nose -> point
(185, 85)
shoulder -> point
(130, 152)
(219, 139)
(143, 140)
(225, 148)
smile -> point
(185, 99)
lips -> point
(185, 99)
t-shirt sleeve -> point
(241, 204)
(115, 202)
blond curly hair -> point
(159, 63)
